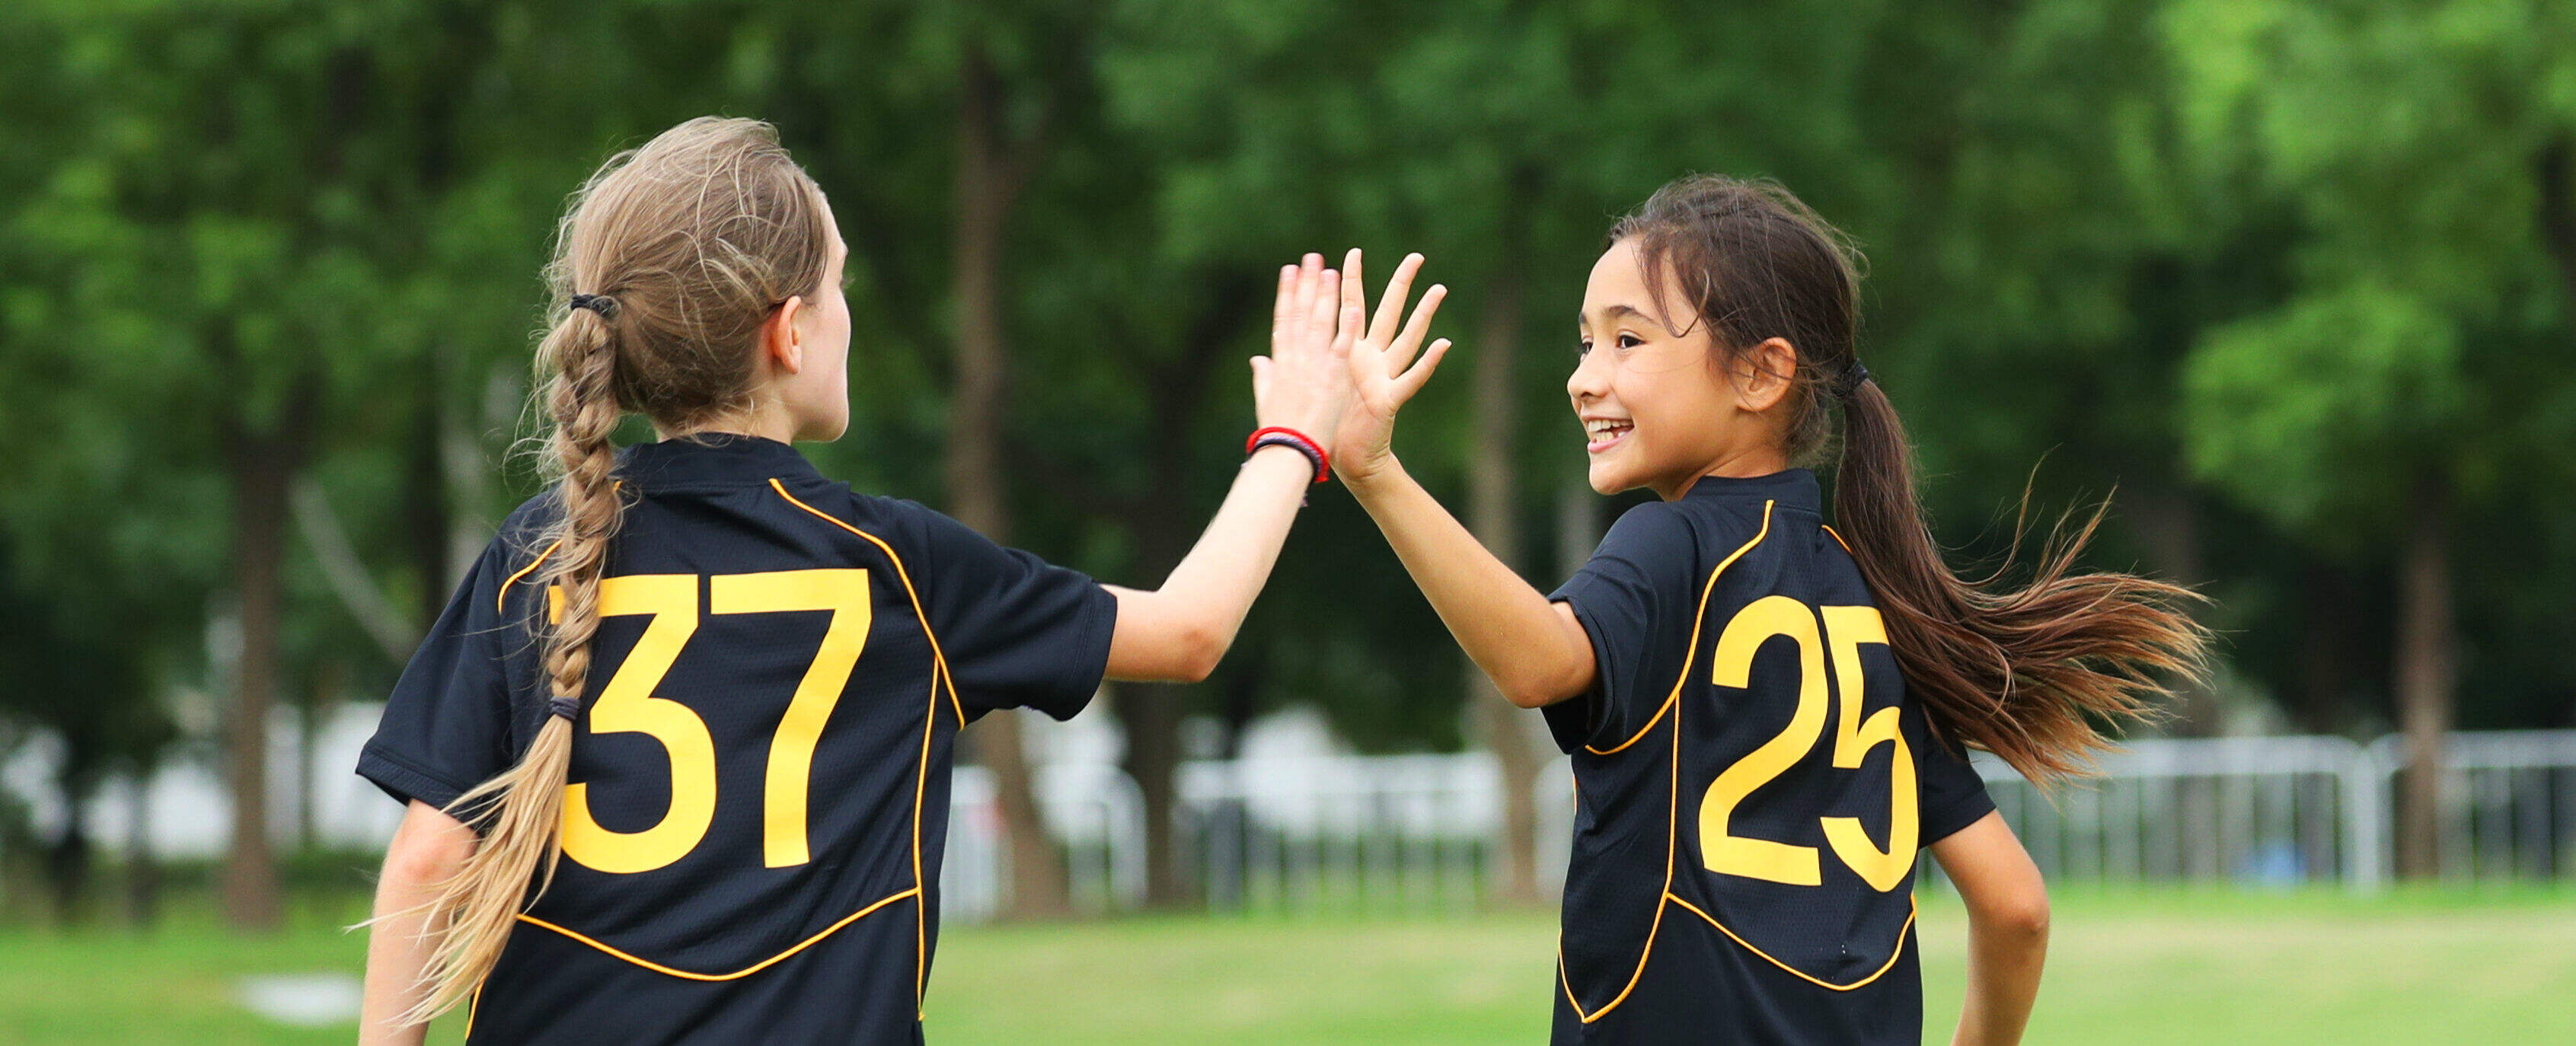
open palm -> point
(1384, 371)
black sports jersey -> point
(1751, 784)
(758, 794)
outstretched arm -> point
(1178, 632)
(1533, 649)
(2007, 929)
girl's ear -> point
(1764, 374)
(782, 340)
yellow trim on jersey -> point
(1691, 652)
(1838, 539)
(1912, 908)
(501, 600)
(939, 676)
(737, 974)
(937, 656)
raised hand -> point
(1304, 383)
(1384, 374)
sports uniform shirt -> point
(758, 794)
(1752, 783)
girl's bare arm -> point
(2007, 929)
(427, 849)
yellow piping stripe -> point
(1838, 539)
(738, 974)
(501, 601)
(1672, 796)
(939, 676)
(473, 1004)
(1691, 652)
(936, 655)
(1912, 909)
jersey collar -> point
(710, 459)
(1793, 488)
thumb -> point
(1260, 376)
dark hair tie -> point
(1849, 381)
(602, 304)
(567, 707)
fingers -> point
(1301, 311)
(1352, 315)
(1320, 309)
(1354, 289)
(1390, 306)
(1401, 352)
(1284, 307)
(1411, 381)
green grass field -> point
(2125, 967)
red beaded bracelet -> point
(1295, 440)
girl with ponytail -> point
(1769, 717)
(676, 756)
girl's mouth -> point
(1605, 433)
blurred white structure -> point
(1299, 823)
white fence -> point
(1419, 832)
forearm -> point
(1180, 630)
(1532, 649)
(2004, 962)
(421, 856)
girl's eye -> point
(1630, 341)
(1583, 348)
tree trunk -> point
(2426, 670)
(986, 184)
(67, 861)
(259, 479)
(1493, 515)
(263, 468)
(2168, 526)
(142, 872)
(2325, 648)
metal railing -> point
(1418, 832)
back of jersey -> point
(758, 785)
(1753, 796)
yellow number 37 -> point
(627, 705)
(1721, 851)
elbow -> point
(1196, 655)
(2023, 919)
(1535, 692)
(422, 858)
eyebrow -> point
(1615, 311)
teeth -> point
(1600, 428)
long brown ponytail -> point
(2021, 671)
(667, 263)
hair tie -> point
(567, 707)
(1849, 381)
(602, 304)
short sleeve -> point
(447, 724)
(1952, 794)
(1632, 598)
(1017, 631)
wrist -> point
(1311, 450)
(1365, 476)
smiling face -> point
(1658, 411)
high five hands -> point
(1340, 376)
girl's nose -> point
(1590, 380)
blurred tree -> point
(2418, 365)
